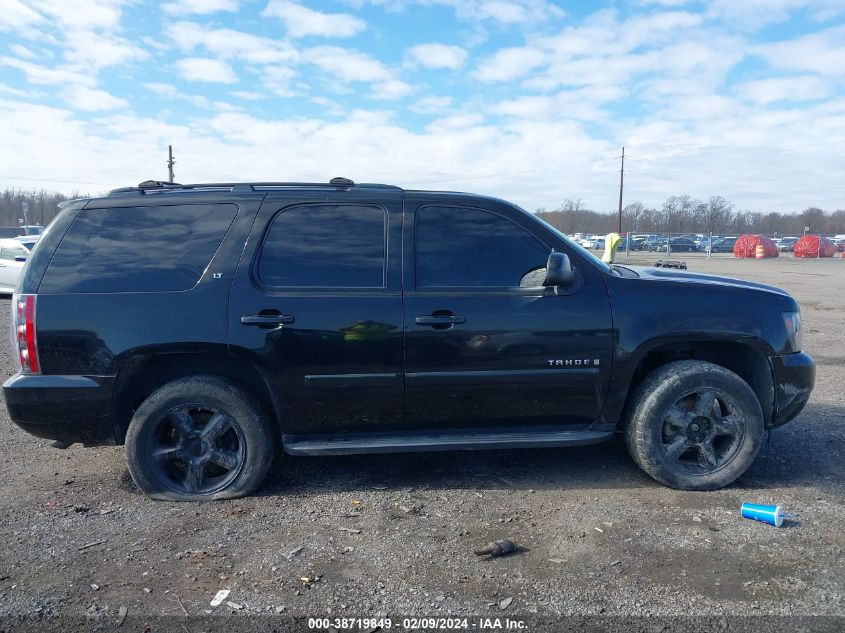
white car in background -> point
(13, 254)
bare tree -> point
(815, 219)
(632, 214)
(715, 214)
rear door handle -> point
(267, 319)
(440, 320)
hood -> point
(684, 276)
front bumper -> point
(794, 376)
(65, 408)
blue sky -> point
(529, 100)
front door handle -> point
(441, 320)
(267, 319)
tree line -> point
(684, 214)
(43, 205)
(678, 214)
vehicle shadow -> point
(805, 452)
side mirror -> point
(559, 271)
(20, 258)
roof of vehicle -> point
(160, 186)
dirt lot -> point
(394, 535)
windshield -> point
(581, 250)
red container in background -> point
(746, 246)
(808, 246)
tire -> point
(671, 422)
(199, 438)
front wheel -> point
(694, 425)
(199, 438)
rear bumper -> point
(66, 408)
(794, 377)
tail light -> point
(24, 338)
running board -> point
(456, 440)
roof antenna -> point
(341, 183)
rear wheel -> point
(694, 425)
(199, 438)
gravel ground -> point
(394, 534)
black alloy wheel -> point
(702, 431)
(196, 449)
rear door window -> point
(138, 249)
(325, 246)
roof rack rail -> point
(339, 183)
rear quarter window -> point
(137, 249)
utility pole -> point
(621, 183)
(170, 161)
(25, 209)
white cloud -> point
(503, 12)
(438, 55)
(82, 16)
(92, 100)
(42, 75)
(582, 104)
(754, 14)
(330, 107)
(391, 89)
(15, 15)
(508, 64)
(802, 88)
(431, 105)
(22, 51)
(228, 43)
(206, 70)
(98, 51)
(301, 21)
(24, 94)
(172, 93)
(822, 52)
(346, 64)
(658, 81)
(461, 121)
(247, 95)
(277, 79)
(199, 7)
(699, 157)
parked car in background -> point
(28, 241)
(649, 242)
(704, 243)
(786, 244)
(657, 243)
(13, 255)
(633, 243)
(723, 245)
(678, 245)
(840, 245)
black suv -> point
(205, 326)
